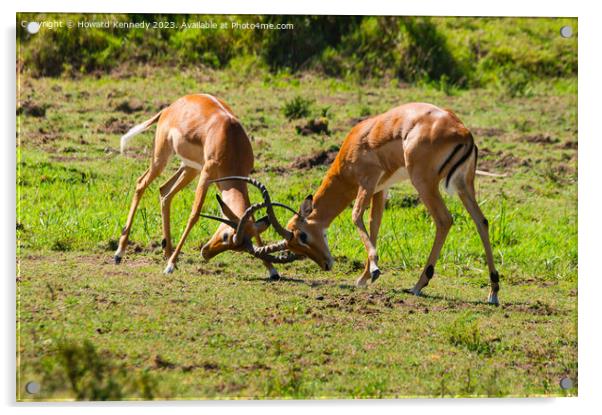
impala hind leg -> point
(466, 193)
(431, 197)
(376, 214)
(168, 190)
(155, 169)
(199, 198)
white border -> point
(590, 96)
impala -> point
(417, 141)
(211, 142)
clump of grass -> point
(90, 375)
(296, 108)
(62, 245)
(465, 332)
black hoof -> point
(375, 274)
(274, 277)
(117, 260)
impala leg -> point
(142, 183)
(376, 214)
(443, 220)
(467, 195)
(199, 198)
(362, 200)
(272, 272)
(168, 190)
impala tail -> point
(137, 129)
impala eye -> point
(225, 237)
(303, 237)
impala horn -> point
(281, 230)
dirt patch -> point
(67, 159)
(538, 308)
(356, 120)
(44, 136)
(313, 126)
(570, 145)
(114, 126)
(490, 160)
(130, 106)
(321, 158)
(487, 132)
(539, 139)
(32, 109)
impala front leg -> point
(272, 272)
(361, 203)
(376, 214)
(199, 198)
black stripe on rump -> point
(448, 159)
(458, 164)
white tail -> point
(488, 174)
(137, 129)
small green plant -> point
(296, 108)
(90, 375)
(465, 332)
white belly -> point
(399, 175)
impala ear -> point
(307, 206)
(262, 224)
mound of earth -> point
(130, 106)
(539, 139)
(321, 158)
(313, 126)
(33, 109)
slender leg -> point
(168, 190)
(199, 198)
(467, 195)
(376, 214)
(429, 193)
(272, 272)
(362, 201)
(157, 166)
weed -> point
(465, 332)
(296, 108)
(83, 373)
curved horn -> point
(285, 233)
(264, 253)
(222, 220)
(238, 237)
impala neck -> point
(236, 198)
(331, 198)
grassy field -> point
(88, 329)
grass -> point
(220, 329)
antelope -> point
(211, 143)
(416, 141)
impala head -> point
(236, 233)
(308, 238)
(226, 237)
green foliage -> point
(465, 332)
(79, 370)
(510, 53)
(298, 107)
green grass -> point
(219, 329)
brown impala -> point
(416, 141)
(209, 140)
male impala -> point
(209, 140)
(417, 141)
